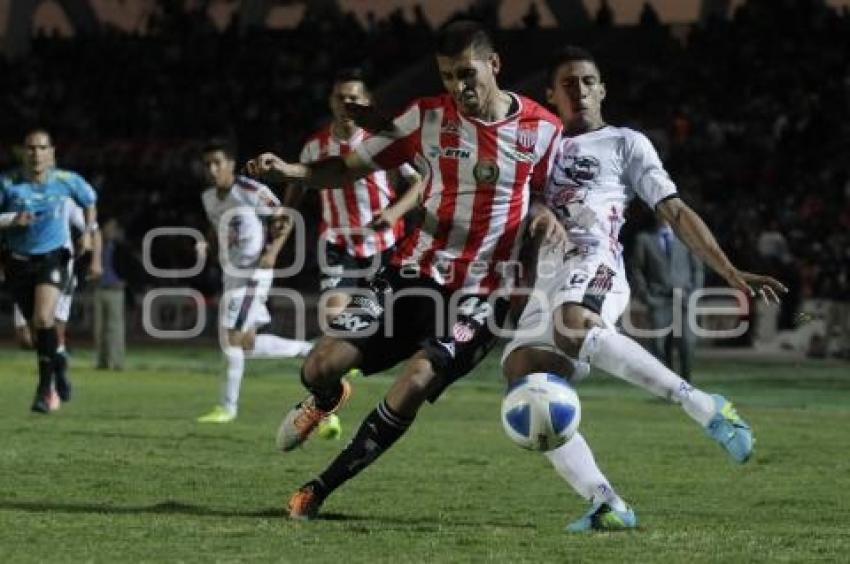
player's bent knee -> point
(572, 322)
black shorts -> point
(341, 266)
(396, 316)
(25, 272)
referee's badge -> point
(486, 172)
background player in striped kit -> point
(480, 149)
(348, 243)
(238, 209)
(598, 168)
(32, 200)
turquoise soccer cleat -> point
(732, 432)
(602, 517)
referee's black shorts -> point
(25, 272)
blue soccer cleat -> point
(732, 432)
(602, 517)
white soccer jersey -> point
(240, 214)
(594, 177)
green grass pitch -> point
(124, 474)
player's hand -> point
(546, 224)
(95, 270)
(85, 243)
(369, 118)
(767, 287)
(267, 261)
(267, 164)
(23, 219)
(384, 219)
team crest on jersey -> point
(486, 172)
(577, 169)
(450, 127)
(526, 139)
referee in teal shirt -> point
(36, 261)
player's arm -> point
(91, 228)
(16, 219)
(326, 173)
(695, 234)
(410, 200)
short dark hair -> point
(38, 129)
(226, 146)
(350, 74)
(457, 35)
(568, 54)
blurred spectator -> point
(664, 275)
(109, 299)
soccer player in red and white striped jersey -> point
(347, 240)
(481, 151)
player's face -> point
(219, 168)
(352, 92)
(470, 78)
(39, 154)
(577, 93)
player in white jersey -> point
(583, 290)
(238, 209)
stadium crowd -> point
(750, 114)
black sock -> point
(377, 433)
(46, 343)
(326, 398)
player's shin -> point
(575, 463)
(381, 428)
(624, 358)
(234, 359)
(46, 345)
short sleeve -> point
(310, 152)
(389, 150)
(543, 166)
(408, 172)
(644, 172)
(81, 191)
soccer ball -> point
(540, 412)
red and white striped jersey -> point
(353, 205)
(477, 193)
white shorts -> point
(243, 305)
(594, 280)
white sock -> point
(272, 346)
(234, 359)
(574, 462)
(623, 357)
(581, 370)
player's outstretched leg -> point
(621, 356)
(575, 463)
(381, 428)
(322, 375)
(272, 346)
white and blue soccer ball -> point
(540, 412)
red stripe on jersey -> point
(332, 211)
(448, 194)
(482, 205)
(354, 240)
(510, 234)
